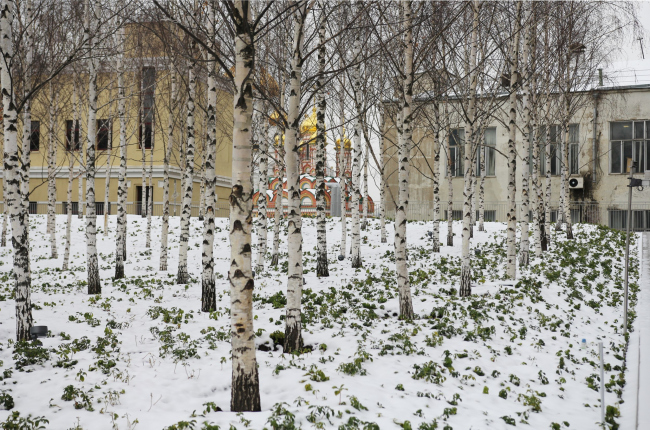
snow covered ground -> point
(143, 356)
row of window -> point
(486, 154)
(72, 141)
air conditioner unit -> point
(576, 183)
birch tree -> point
(208, 293)
(91, 27)
(511, 251)
(245, 378)
(355, 192)
(262, 222)
(403, 284)
(293, 324)
(12, 175)
(524, 247)
(167, 156)
(121, 179)
(321, 257)
(51, 177)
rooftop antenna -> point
(640, 39)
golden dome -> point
(273, 119)
(309, 124)
(346, 142)
(277, 140)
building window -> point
(555, 146)
(640, 219)
(456, 146)
(629, 141)
(72, 136)
(147, 103)
(574, 149)
(75, 208)
(99, 208)
(487, 153)
(103, 134)
(33, 208)
(35, 137)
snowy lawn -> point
(143, 356)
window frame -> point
(35, 132)
(108, 125)
(637, 145)
(457, 149)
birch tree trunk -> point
(150, 192)
(80, 194)
(167, 156)
(524, 248)
(481, 187)
(94, 284)
(263, 183)
(293, 327)
(547, 167)
(68, 225)
(321, 229)
(121, 179)
(435, 234)
(382, 171)
(51, 179)
(19, 227)
(208, 292)
(561, 150)
(245, 378)
(3, 240)
(470, 144)
(450, 182)
(107, 188)
(342, 171)
(279, 205)
(183, 276)
(565, 161)
(27, 122)
(366, 153)
(202, 186)
(511, 250)
(355, 249)
(401, 264)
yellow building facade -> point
(148, 82)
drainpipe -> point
(594, 147)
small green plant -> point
(509, 420)
(503, 394)
(400, 387)
(486, 390)
(81, 399)
(6, 401)
(16, 422)
(356, 404)
(277, 337)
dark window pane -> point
(621, 130)
(103, 134)
(616, 157)
(638, 156)
(638, 130)
(627, 156)
(554, 131)
(574, 130)
(573, 159)
(35, 136)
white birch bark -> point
(547, 167)
(68, 225)
(202, 185)
(27, 121)
(183, 276)
(322, 268)
(94, 284)
(19, 228)
(366, 153)
(470, 158)
(401, 264)
(208, 292)
(51, 179)
(164, 234)
(293, 327)
(150, 193)
(560, 151)
(5, 207)
(382, 171)
(107, 186)
(511, 250)
(263, 185)
(524, 247)
(80, 194)
(450, 183)
(121, 179)
(566, 200)
(245, 378)
(343, 176)
(435, 234)
(355, 242)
